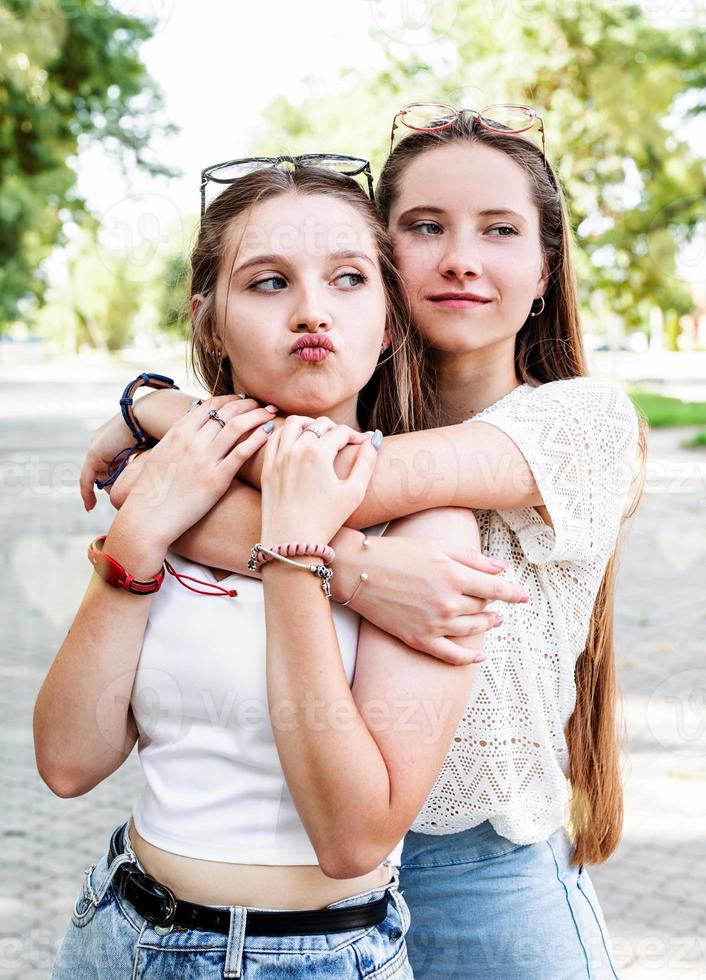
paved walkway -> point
(652, 891)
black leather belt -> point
(158, 904)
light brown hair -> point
(549, 347)
(391, 400)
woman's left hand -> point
(302, 497)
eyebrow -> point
(274, 259)
(485, 213)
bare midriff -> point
(256, 885)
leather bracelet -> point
(145, 379)
(112, 572)
(142, 441)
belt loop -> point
(236, 941)
(119, 861)
(128, 849)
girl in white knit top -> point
(496, 886)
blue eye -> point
(357, 276)
(262, 285)
(505, 228)
(427, 224)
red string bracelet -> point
(111, 571)
(219, 590)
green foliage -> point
(610, 86)
(696, 442)
(174, 296)
(97, 305)
(662, 411)
(69, 73)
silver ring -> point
(213, 414)
(312, 428)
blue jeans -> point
(108, 939)
(484, 907)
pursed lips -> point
(312, 348)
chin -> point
(463, 338)
(456, 343)
(309, 402)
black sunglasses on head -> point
(232, 170)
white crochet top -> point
(508, 760)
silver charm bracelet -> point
(324, 573)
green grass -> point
(662, 411)
(695, 442)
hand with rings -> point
(196, 463)
(301, 491)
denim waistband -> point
(476, 844)
(236, 939)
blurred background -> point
(108, 113)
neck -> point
(343, 414)
(470, 382)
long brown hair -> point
(391, 400)
(549, 347)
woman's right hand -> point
(427, 598)
(190, 469)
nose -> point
(460, 260)
(309, 313)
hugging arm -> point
(450, 578)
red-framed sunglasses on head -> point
(432, 117)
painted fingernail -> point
(271, 408)
(377, 439)
(268, 427)
(498, 563)
(478, 660)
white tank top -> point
(214, 786)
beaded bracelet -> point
(321, 571)
(296, 550)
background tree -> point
(612, 88)
(69, 73)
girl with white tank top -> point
(286, 747)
